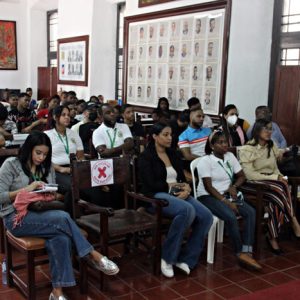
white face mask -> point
(231, 120)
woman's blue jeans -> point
(225, 213)
(185, 213)
(61, 233)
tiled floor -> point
(222, 280)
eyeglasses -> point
(267, 128)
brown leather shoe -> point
(247, 261)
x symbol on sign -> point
(102, 172)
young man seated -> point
(263, 112)
(136, 128)
(7, 128)
(12, 101)
(195, 103)
(192, 141)
(89, 125)
(111, 139)
(179, 126)
(25, 118)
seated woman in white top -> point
(221, 175)
(64, 142)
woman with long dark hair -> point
(259, 161)
(163, 105)
(28, 172)
(233, 126)
(162, 177)
(221, 175)
(64, 142)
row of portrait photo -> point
(177, 95)
(185, 74)
(184, 51)
(187, 28)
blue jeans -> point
(61, 233)
(225, 213)
(185, 213)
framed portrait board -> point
(178, 54)
(73, 60)
(143, 3)
(8, 45)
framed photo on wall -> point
(143, 3)
(8, 45)
(178, 54)
(73, 60)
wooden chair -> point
(107, 226)
(4, 154)
(34, 250)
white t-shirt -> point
(59, 154)
(111, 137)
(171, 175)
(218, 170)
(76, 126)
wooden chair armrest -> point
(93, 208)
(141, 197)
(294, 180)
(255, 184)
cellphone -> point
(174, 190)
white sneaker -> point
(183, 267)
(166, 269)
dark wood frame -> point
(153, 2)
(52, 54)
(83, 38)
(16, 52)
(219, 4)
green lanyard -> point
(35, 177)
(230, 174)
(112, 140)
(66, 144)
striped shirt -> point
(195, 139)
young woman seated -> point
(233, 126)
(259, 161)
(64, 142)
(220, 176)
(162, 177)
(29, 171)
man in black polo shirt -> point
(136, 128)
(25, 118)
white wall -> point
(30, 16)
(249, 55)
(249, 50)
(75, 19)
(98, 20)
(103, 49)
(16, 79)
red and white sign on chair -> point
(102, 172)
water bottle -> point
(4, 274)
(120, 101)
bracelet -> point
(235, 186)
(223, 199)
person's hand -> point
(282, 178)
(233, 207)
(43, 121)
(183, 186)
(34, 186)
(182, 195)
(233, 192)
(65, 170)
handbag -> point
(46, 205)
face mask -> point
(92, 116)
(231, 120)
